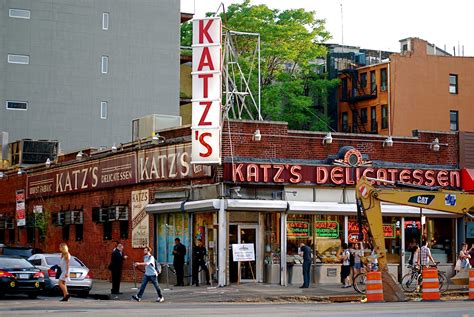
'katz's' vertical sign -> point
(207, 86)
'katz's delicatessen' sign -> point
(267, 173)
(96, 174)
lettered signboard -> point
(207, 91)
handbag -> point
(58, 270)
(457, 267)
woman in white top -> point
(358, 254)
(64, 265)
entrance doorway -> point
(240, 234)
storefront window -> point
(272, 238)
(328, 237)
(440, 233)
(171, 226)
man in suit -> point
(179, 251)
(116, 263)
(199, 252)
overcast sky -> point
(379, 24)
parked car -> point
(80, 276)
(18, 276)
(24, 252)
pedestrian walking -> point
(425, 255)
(115, 267)
(179, 252)
(151, 275)
(199, 254)
(346, 266)
(64, 266)
(305, 252)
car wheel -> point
(32, 295)
(83, 294)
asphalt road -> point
(49, 306)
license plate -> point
(24, 276)
(73, 275)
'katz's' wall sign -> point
(102, 173)
(335, 175)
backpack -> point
(351, 259)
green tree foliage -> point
(290, 44)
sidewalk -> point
(248, 292)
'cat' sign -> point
(207, 91)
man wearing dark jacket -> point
(199, 252)
(116, 263)
(179, 251)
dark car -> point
(24, 252)
(18, 276)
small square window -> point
(17, 105)
(19, 14)
(105, 21)
(18, 59)
(104, 105)
(105, 64)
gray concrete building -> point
(79, 71)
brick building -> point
(289, 187)
(422, 87)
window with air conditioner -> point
(19, 13)
(77, 217)
(113, 213)
(105, 21)
(104, 64)
(104, 215)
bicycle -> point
(360, 280)
(413, 281)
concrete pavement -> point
(248, 292)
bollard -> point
(471, 284)
(374, 287)
(430, 285)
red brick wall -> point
(278, 142)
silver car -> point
(80, 277)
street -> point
(88, 307)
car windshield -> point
(54, 260)
(11, 263)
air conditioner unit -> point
(9, 224)
(104, 215)
(113, 213)
(146, 127)
(123, 213)
(58, 218)
(77, 217)
(67, 218)
(27, 151)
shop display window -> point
(171, 226)
(272, 238)
(328, 237)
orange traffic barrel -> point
(471, 284)
(374, 287)
(430, 284)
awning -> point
(295, 207)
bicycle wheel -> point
(410, 282)
(443, 282)
(359, 283)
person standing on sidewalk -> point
(346, 266)
(115, 267)
(305, 252)
(425, 255)
(151, 275)
(471, 253)
(199, 253)
(179, 251)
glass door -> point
(248, 270)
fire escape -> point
(352, 94)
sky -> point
(378, 24)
